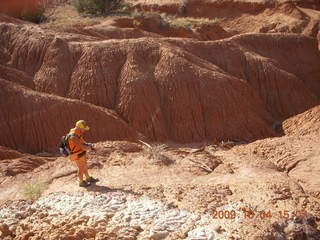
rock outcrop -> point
(245, 16)
(296, 153)
(303, 124)
(7, 153)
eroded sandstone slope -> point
(164, 88)
(33, 121)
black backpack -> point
(64, 147)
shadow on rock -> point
(105, 189)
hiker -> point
(78, 149)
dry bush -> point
(97, 7)
(188, 22)
(33, 190)
(157, 153)
(171, 21)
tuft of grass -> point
(188, 22)
(33, 190)
(157, 153)
(136, 23)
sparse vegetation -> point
(187, 22)
(125, 6)
(136, 23)
(97, 7)
(157, 153)
(33, 190)
(172, 20)
(65, 15)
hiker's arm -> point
(79, 144)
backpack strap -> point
(72, 135)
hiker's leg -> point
(74, 158)
(85, 167)
(80, 167)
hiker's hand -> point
(91, 146)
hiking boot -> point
(92, 180)
(84, 184)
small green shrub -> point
(33, 190)
(97, 7)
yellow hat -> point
(82, 124)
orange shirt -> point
(72, 146)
